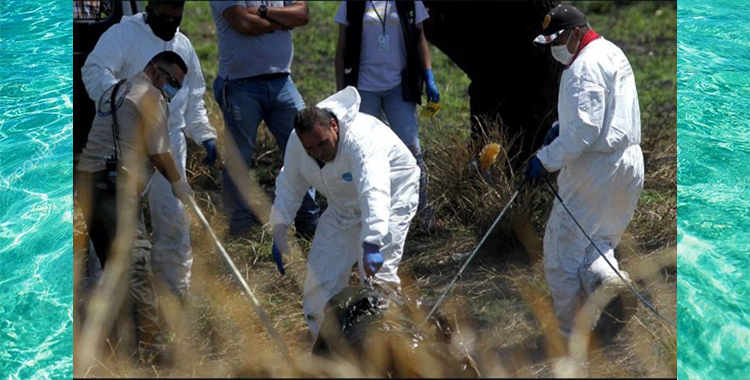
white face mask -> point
(561, 53)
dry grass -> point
(501, 304)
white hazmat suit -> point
(121, 52)
(372, 188)
(601, 174)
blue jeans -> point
(402, 118)
(244, 103)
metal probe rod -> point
(474, 252)
(236, 273)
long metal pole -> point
(474, 252)
(236, 273)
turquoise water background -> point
(713, 215)
(36, 189)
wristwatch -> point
(262, 11)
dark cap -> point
(559, 19)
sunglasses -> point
(172, 81)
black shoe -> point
(241, 225)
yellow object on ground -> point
(488, 155)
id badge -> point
(384, 43)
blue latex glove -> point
(534, 169)
(433, 94)
(372, 259)
(211, 153)
(277, 257)
(552, 134)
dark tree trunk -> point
(511, 78)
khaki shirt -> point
(142, 118)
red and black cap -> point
(559, 19)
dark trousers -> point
(100, 210)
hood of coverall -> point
(345, 105)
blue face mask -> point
(171, 86)
(169, 91)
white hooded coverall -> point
(372, 188)
(121, 52)
(601, 174)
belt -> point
(262, 77)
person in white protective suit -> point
(595, 146)
(121, 52)
(371, 182)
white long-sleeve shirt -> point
(125, 49)
(597, 106)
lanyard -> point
(385, 14)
